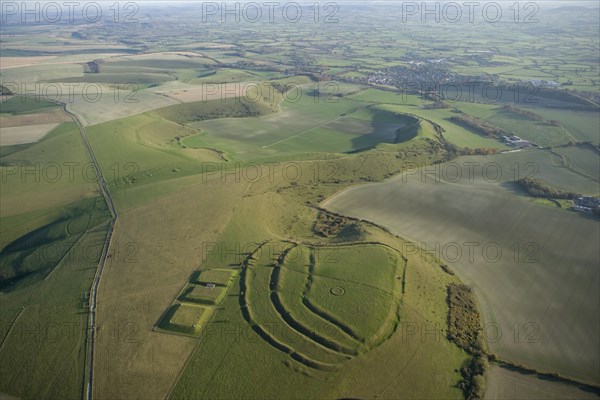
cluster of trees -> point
(530, 115)
(328, 224)
(464, 329)
(473, 383)
(537, 188)
(455, 151)
(478, 125)
(464, 321)
(281, 88)
(437, 105)
(525, 113)
(478, 151)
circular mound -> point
(337, 291)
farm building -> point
(586, 204)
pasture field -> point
(413, 105)
(20, 105)
(171, 62)
(538, 253)
(53, 230)
(60, 184)
(219, 277)
(16, 62)
(54, 167)
(119, 78)
(227, 107)
(187, 93)
(185, 319)
(226, 75)
(53, 115)
(14, 135)
(291, 351)
(583, 160)
(27, 119)
(51, 60)
(35, 254)
(203, 295)
(580, 124)
(538, 132)
(47, 322)
(139, 150)
(27, 76)
(111, 104)
(29, 170)
(304, 126)
(225, 277)
(139, 246)
(235, 224)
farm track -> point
(91, 337)
(11, 327)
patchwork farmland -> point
(362, 202)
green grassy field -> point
(537, 132)
(186, 319)
(19, 105)
(278, 337)
(203, 294)
(216, 276)
(47, 322)
(580, 124)
(296, 312)
(53, 231)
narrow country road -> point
(91, 338)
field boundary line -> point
(11, 327)
(314, 127)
